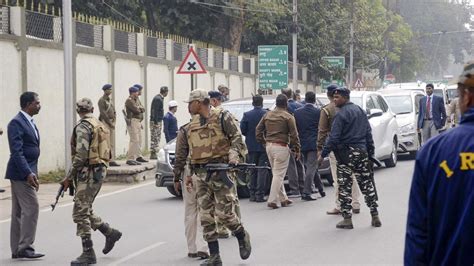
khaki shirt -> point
(134, 108)
(454, 111)
(107, 111)
(325, 121)
(182, 151)
(278, 126)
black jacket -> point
(157, 112)
(307, 122)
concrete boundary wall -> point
(37, 65)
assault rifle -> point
(222, 168)
(61, 194)
(127, 120)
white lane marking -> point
(133, 255)
(98, 197)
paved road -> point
(153, 232)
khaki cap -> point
(197, 95)
(84, 104)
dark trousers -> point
(311, 168)
(25, 210)
(359, 165)
(295, 175)
(258, 177)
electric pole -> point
(351, 53)
(68, 97)
(295, 45)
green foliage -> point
(52, 176)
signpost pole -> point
(192, 82)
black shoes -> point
(141, 160)
(132, 162)
(322, 193)
(345, 224)
(27, 254)
(244, 246)
(307, 198)
(257, 199)
(113, 163)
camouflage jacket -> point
(80, 147)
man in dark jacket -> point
(257, 154)
(432, 116)
(440, 226)
(307, 120)
(156, 119)
(351, 141)
(22, 170)
(170, 123)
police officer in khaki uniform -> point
(108, 117)
(90, 159)
(135, 112)
(214, 137)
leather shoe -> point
(259, 199)
(322, 193)
(286, 203)
(333, 212)
(307, 198)
(113, 163)
(272, 205)
(141, 160)
(132, 162)
(202, 255)
(29, 254)
(14, 256)
(192, 255)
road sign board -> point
(358, 84)
(273, 66)
(191, 64)
(334, 62)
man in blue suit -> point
(170, 123)
(22, 170)
(432, 116)
(307, 122)
(257, 153)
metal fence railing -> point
(4, 19)
(89, 35)
(44, 27)
(125, 41)
(233, 63)
(151, 47)
(202, 53)
(218, 59)
(179, 51)
(161, 49)
(246, 65)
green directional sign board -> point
(333, 62)
(273, 66)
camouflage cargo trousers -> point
(216, 200)
(359, 166)
(221, 228)
(88, 186)
(155, 129)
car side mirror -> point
(375, 113)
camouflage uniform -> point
(90, 156)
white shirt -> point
(32, 124)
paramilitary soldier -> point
(90, 158)
(351, 141)
(215, 138)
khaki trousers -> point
(355, 187)
(192, 221)
(135, 144)
(111, 140)
(279, 157)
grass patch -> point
(52, 176)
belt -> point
(279, 144)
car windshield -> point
(400, 104)
(238, 110)
(452, 93)
(438, 92)
(357, 100)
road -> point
(153, 232)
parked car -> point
(405, 104)
(419, 86)
(383, 123)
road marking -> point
(133, 255)
(45, 209)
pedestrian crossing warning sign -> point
(191, 64)
(358, 83)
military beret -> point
(343, 91)
(138, 86)
(107, 87)
(215, 95)
(84, 104)
(133, 89)
(331, 88)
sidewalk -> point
(47, 192)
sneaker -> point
(345, 224)
(140, 159)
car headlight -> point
(407, 129)
(161, 156)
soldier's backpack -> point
(99, 149)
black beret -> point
(107, 87)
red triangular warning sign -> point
(191, 64)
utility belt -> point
(85, 173)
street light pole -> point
(295, 45)
(351, 53)
(68, 95)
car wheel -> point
(413, 154)
(392, 161)
(173, 192)
(243, 192)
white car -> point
(419, 86)
(404, 103)
(383, 123)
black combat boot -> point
(345, 224)
(88, 255)
(153, 155)
(215, 258)
(244, 243)
(376, 220)
(111, 236)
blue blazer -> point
(170, 127)
(24, 149)
(307, 123)
(437, 110)
(248, 124)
